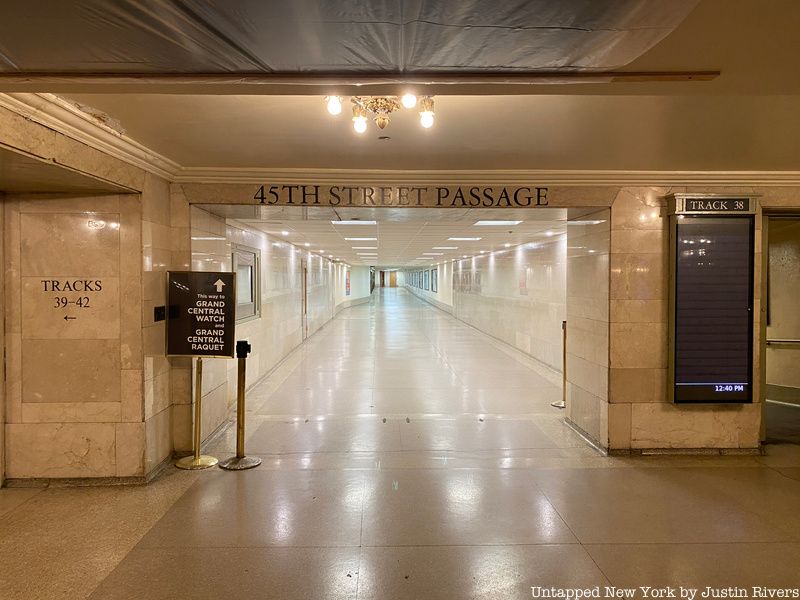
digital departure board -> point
(712, 309)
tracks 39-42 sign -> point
(201, 313)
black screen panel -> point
(713, 310)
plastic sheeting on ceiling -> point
(317, 36)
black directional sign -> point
(201, 313)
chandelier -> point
(380, 108)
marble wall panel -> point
(78, 376)
(69, 245)
(70, 371)
(665, 425)
(60, 450)
(97, 316)
(158, 439)
(129, 447)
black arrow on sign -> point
(68, 318)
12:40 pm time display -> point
(729, 387)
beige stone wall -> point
(640, 415)
(588, 325)
(74, 393)
(165, 246)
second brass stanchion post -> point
(563, 402)
(240, 461)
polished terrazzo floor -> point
(407, 455)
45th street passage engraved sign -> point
(201, 313)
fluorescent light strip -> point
(354, 222)
(498, 223)
(433, 253)
(365, 247)
(445, 247)
(373, 239)
(464, 239)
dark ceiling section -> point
(317, 37)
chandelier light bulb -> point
(426, 112)
(359, 117)
(360, 124)
(334, 104)
(409, 100)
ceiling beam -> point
(349, 84)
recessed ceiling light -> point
(366, 254)
(581, 222)
(483, 251)
(464, 239)
(433, 253)
(365, 247)
(284, 233)
(361, 239)
(209, 238)
(507, 245)
(354, 222)
(549, 233)
(306, 244)
(503, 223)
(445, 247)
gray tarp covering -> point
(317, 36)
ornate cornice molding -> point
(59, 115)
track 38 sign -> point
(201, 313)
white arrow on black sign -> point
(219, 283)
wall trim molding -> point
(60, 115)
(487, 177)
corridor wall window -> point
(246, 266)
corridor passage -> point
(409, 456)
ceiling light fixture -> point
(380, 108)
(445, 247)
(354, 222)
(372, 239)
(464, 239)
(284, 233)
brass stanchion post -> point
(563, 402)
(197, 461)
(240, 462)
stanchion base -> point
(234, 463)
(559, 404)
(192, 464)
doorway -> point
(782, 406)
